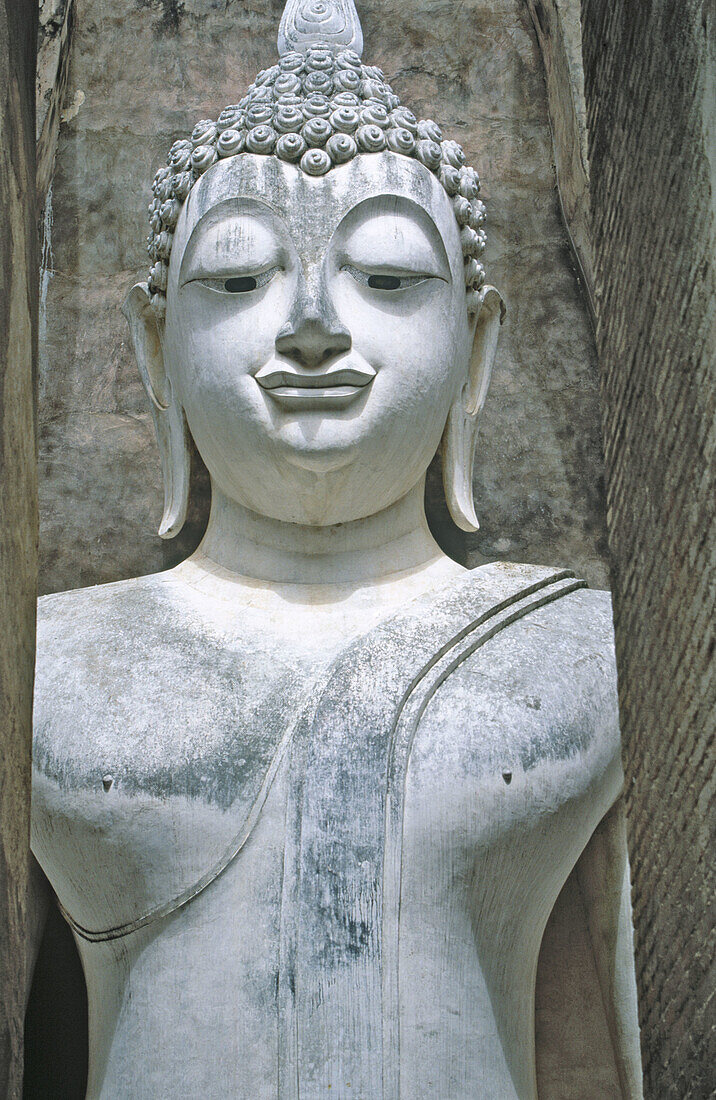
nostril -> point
(290, 350)
(312, 343)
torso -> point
(199, 982)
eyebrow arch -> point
(392, 203)
(223, 211)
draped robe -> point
(378, 841)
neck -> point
(392, 541)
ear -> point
(168, 415)
(460, 436)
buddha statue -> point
(310, 799)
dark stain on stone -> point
(542, 19)
(233, 729)
(172, 13)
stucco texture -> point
(141, 73)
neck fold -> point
(394, 540)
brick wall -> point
(651, 109)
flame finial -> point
(333, 23)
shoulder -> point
(541, 688)
(114, 662)
(142, 674)
(96, 626)
(556, 619)
(559, 645)
(86, 635)
(575, 626)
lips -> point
(333, 387)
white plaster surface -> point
(194, 1000)
(309, 799)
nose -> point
(313, 333)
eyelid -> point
(216, 282)
(408, 278)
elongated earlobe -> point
(169, 419)
(460, 436)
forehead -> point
(313, 207)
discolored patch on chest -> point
(128, 688)
(156, 736)
(528, 722)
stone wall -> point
(650, 91)
(18, 513)
(559, 33)
(141, 72)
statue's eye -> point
(384, 282)
(377, 281)
(240, 285)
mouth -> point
(333, 387)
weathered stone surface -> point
(18, 512)
(649, 77)
(142, 827)
(143, 74)
(53, 53)
(559, 33)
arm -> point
(603, 877)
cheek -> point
(416, 341)
(213, 341)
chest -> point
(360, 855)
(496, 761)
(327, 924)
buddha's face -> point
(316, 331)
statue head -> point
(316, 315)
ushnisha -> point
(317, 108)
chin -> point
(314, 509)
(321, 497)
(317, 443)
(318, 460)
